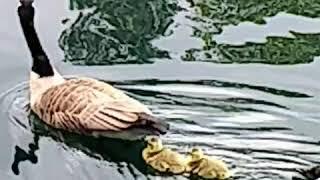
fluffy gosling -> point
(205, 166)
(163, 159)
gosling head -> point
(196, 154)
(154, 143)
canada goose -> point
(205, 166)
(163, 159)
(80, 105)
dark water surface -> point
(250, 95)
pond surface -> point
(238, 78)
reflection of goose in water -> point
(115, 150)
(15, 103)
(28, 131)
(243, 147)
(81, 105)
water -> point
(250, 95)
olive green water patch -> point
(116, 32)
(227, 12)
(120, 32)
(212, 15)
(277, 50)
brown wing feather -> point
(122, 100)
(88, 105)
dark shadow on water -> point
(311, 173)
(21, 155)
(217, 83)
(235, 144)
(112, 150)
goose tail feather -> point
(155, 124)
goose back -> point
(84, 104)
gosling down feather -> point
(206, 167)
(163, 159)
(81, 105)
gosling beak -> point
(148, 142)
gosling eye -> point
(153, 139)
(195, 150)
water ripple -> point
(251, 133)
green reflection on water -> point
(212, 15)
(226, 12)
(117, 31)
(277, 50)
(121, 31)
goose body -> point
(81, 105)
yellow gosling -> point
(205, 166)
(163, 159)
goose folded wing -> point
(81, 106)
(107, 116)
(119, 96)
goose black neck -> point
(41, 64)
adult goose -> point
(80, 105)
